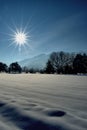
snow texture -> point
(43, 102)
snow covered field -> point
(43, 102)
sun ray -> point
(20, 38)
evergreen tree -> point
(49, 67)
(15, 68)
(3, 67)
(80, 63)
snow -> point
(43, 102)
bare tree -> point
(59, 60)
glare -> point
(20, 38)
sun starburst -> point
(20, 37)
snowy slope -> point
(37, 62)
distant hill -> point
(37, 62)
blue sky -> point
(53, 25)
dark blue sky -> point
(54, 25)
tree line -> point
(67, 63)
(12, 68)
(58, 62)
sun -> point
(20, 38)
